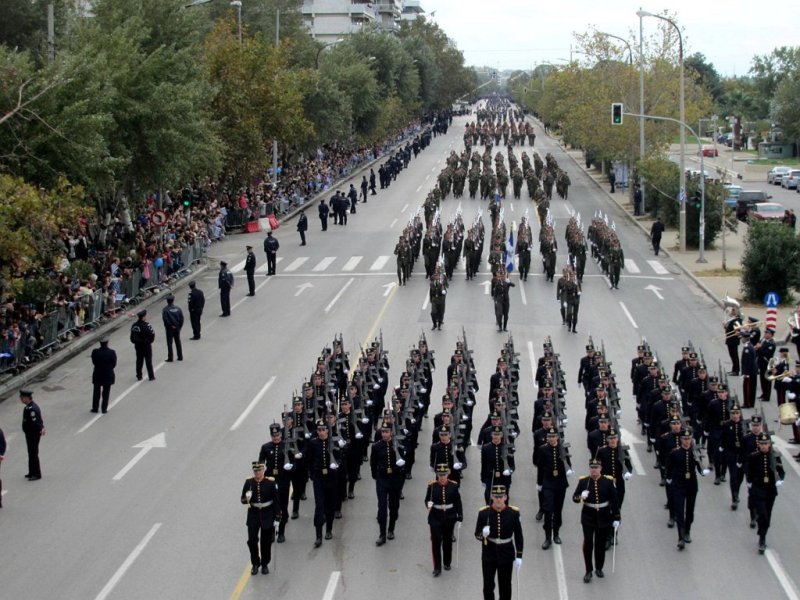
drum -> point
(788, 413)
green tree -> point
(785, 105)
(771, 261)
(705, 74)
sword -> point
(458, 539)
(614, 553)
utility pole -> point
(274, 140)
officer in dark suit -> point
(497, 463)
(765, 350)
(749, 365)
(444, 510)
(600, 513)
(225, 283)
(173, 323)
(499, 529)
(551, 479)
(197, 302)
(260, 493)
(271, 247)
(764, 476)
(388, 470)
(142, 337)
(2, 456)
(438, 291)
(250, 269)
(302, 227)
(104, 360)
(277, 462)
(33, 428)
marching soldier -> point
(500, 285)
(499, 529)
(260, 493)
(278, 465)
(616, 261)
(732, 444)
(598, 496)
(387, 465)
(197, 302)
(681, 474)
(765, 350)
(749, 366)
(551, 479)
(142, 337)
(323, 470)
(34, 430)
(497, 463)
(438, 290)
(444, 452)
(403, 253)
(250, 269)
(764, 476)
(732, 326)
(616, 464)
(225, 284)
(444, 511)
(299, 472)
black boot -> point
(318, 541)
(762, 544)
(681, 542)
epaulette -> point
(484, 508)
(609, 477)
(582, 477)
(249, 478)
(453, 482)
(431, 482)
(269, 478)
(514, 508)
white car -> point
(776, 174)
(789, 180)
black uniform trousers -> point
(271, 260)
(501, 306)
(225, 300)
(251, 282)
(552, 506)
(594, 542)
(32, 440)
(100, 390)
(254, 532)
(284, 481)
(194, 319)
(762, 503)
(325, 499)
(174, 336)
(749, 391)
(683, 499)
(735, 474)
(442, 542)
(388, 491)
(503, 572)
(144, 356)
(733, 352)
(299, 477)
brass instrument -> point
(736, 330)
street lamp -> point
(237, 4)
(623, 40)
(682, 194)
(333, 43)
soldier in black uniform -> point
(403, 253)
(322, 468)
(499, 529)
(260, 493)
(33, 428)
(250, 269)
(142, 337)
(600, 513)
(732, 339)
(443, 501)
(765, 350)
(749, 366)
(539, 444)
(551, 479)
(298, 426)
(497, 463)
(500, 285)
(197, 302)
(438, 291)
(277, 461)
(172, 316)
(616, 464)
(104, 360)
(764, 476)
(445, 452)
(681, 474)
(387, 464)
(225, 284)
(732, 444)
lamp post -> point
(237, 4)
(641, 109)
(682, 194)
(333, 43)
(624, 41)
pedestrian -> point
(612, 180)
(197, 301)
(637, 201)
(271, 247)
(499, 530)
(250, 270)
(33, 428)
(600, 513)
(2, 456)
(323, 214)
(173, 323)
(225, 284)
(260, 494)
(444, 510)
(655, 234)
(142, 338)
(387, 465)
(352, 195)
(438, 291)
(104, 360)
(372, 182)
(302, 227)
(764, 476)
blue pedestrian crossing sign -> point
(772, 299)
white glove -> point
(359, 435)
(627, 476)
(414, 420)
(721, 449)
(380, 379)
(400, 462)
(619, 412)
(342, 443)
(485, 531)
(514, 434)
(507, 472)
(779, 483)
(786, 379)
(705, 472)
(405, 431)
(518, 563)
(669, 481)
(457, 466)
(797, 422)
(444, 292)
(376, 386)
(346, 371)
(423, 390)
(464, 418)
(570, 472)
(564, 304)
(287, 466)
(585, 494)
(738, 465)
(790, 395)
(369, 402)
(469, 403)
(429, 504)
(334, 466)
(308, 436)
(615, 524)
(298, 455)
(248, 494)
(365, 420)
(538, 488)
(276, 524)
(749, 485)
(564, 421)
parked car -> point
(732, 194)
(789, 180)
(776, 174)
(746, 200)
(766, 211)
(709, 150)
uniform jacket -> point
(104, 360)
(601, 507)
(264, 492)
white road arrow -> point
(655, 290)
(388, 288)
(157, 441)
(486, 286)
(302, 288)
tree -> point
(705, 74)
(771, 261)
(785, 107)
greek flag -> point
(510, 252)
(682, 196)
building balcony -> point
(412, 6)
(390, 8)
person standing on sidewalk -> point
(655, 234)
(612, 180)
(302, 227)
(732, 326)
(104, 360)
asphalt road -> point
(144, 502)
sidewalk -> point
(709, 276)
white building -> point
(328, 20)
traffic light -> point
(616, 113)
(494, 74)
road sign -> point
(772, 299)
(158, 218)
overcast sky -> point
(515, 34)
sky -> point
(517, 34)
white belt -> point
(598, 506)
(261, 504)
(499, 540)
(442, 506)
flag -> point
(510, 252)
(682, 196)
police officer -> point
(33, 428)
(552, 469)
(104, 360)
(443, 501)
(225, 284)
(271, 247)
(598, 496)
(142, 337)
(438, 291)
(197, 302)
(387, 464)
(277, 462)
(499, 529)
(764, 476)
(260, 493)
(302, 226)
(250, 269)
(681, 474)
(173, 323)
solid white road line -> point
(392, 223)
(405, 207)
(522, 293)
(532, 358)
(253, 403)
(295, 264)
(638, 465)
(330, 589)
(238, 267)
(352, 263)
(631, 267)
(379, 263)
(658, 267)
(339, 295)
(324, 263)
(425, 302)
(112, 583)
(627, 314)
(783, 577)
(561, 576)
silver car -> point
(776, 174)
(790, 179)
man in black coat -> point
(271, 247)
(225, 284)
(172, 316)
(104, 360)
(142, 337)
(323, 214)
(197, 301)
(250, 270)
(33, 428)
(302, 227)
(655, 234)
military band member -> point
(499, 529)
(749, 370)
(443, 501)
(765, 350)
(600, 513)
(781, 374)
(732, 444)
(551, 479)
(681, 473)
(764, 476)
(260, 493)
(387, 464)
(278, 466)
(732, 326)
